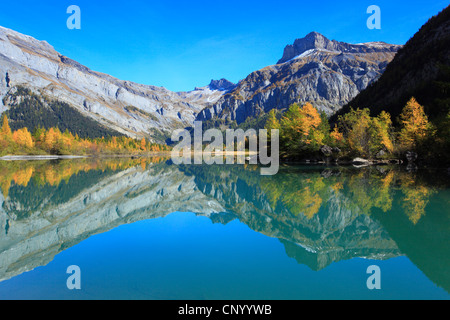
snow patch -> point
(376, 44)
(311, 52)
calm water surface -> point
(145, 229)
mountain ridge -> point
(315, 40)
(315, 69)
(36, 65)
(321, 75)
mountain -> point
(420, 69)
(117, 105)
(39, 86)
(221, 85)
(210, 94)
(325, 72)
(315, 40)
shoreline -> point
(68, 157)
(139, 155)
(38, 157)
(357, 162)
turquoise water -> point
(150, 230)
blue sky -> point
(183, 44)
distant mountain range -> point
(325, 72)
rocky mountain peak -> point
(315, 40)
(221, 85)
(312, 40)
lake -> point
(148, 229)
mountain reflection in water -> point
(320, 214)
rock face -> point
(36, 65)
(325, 72)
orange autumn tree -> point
(23, 138)
(415, 127)
(312, 123)
(6, 138)
(311, 119)
(336, 137)
(143, 145)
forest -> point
(30, 110)
(304, 131)
(52, 141)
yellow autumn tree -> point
(415, 126)
(380, 133)
(415, 199)
(5, 137)
(5, 131)
(355, 125)
(365, 135)
(51, 137)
